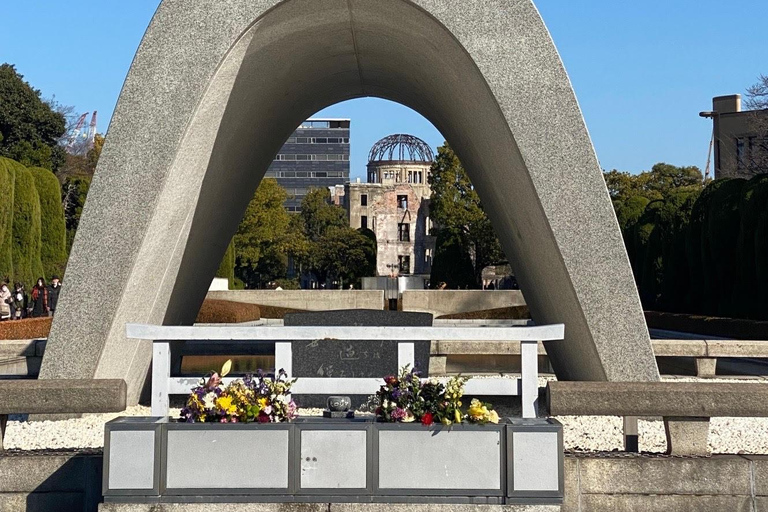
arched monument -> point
(218, 85)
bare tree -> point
(757, 145)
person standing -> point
(5, 302)
(19, 301)
(53, 294)
(40, 299)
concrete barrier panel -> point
(447, 302)
(310, 300)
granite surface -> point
(354, 358)
(217, 87)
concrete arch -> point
(218, 85)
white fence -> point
(164, 385)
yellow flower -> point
(225, 404)
(477, 410)
(262, 402)
(493, 417)
(457, 415)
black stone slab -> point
(353, 358)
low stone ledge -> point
(737, 348)
(718, 475)
(679, 348)
(63, 473)
(694, 399)
(494, 348)
(43, 502)
(62, 396)
(320, 507)
(18, 348)
(631, 503)
(760, 470)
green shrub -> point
(719, 246)
(53, 227)
(753, 205)
(227, 266)
(7, 178)
(27, 266)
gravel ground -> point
(581, 433)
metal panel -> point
(150, 427)
(227, 459)
(535, 461)
(131, 459)
(439, 459)
(333, 459)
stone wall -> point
(594, 483)
(310, 300)
(446, 302)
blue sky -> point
(642, 70)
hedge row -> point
(704, 253)
(53, 236)
(27, 329)
(226, 312)
(732, 328)
(227, 267)
(32, 229)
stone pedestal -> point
(687, 436)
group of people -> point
(17, 304)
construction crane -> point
(72, 140)
(81, 140)
(91, 132)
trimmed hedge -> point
(27, 329)
(226, 312)
(27, 265)
(508, 313)
(704, 253)
(227, 266)
(277, 312)
(53, 228)
(7, 178)
(733, 328)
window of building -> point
(363, 199)
(363, 222)
(404, 264)
(428, 256)
(740, 147)
(402, 202)
(404, 232)
(302, 140)
(321, 174)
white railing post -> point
(406, 355)
(529, 377)
(284, 357)
(161, 374)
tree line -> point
(695, 247)
(273, 247)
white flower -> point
(209, 400)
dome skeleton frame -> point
(401, 148)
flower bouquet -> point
(405, 398)
(251, 399)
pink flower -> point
(223, 420)
(213, 381)
(398, 414)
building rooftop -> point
(401, 147)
